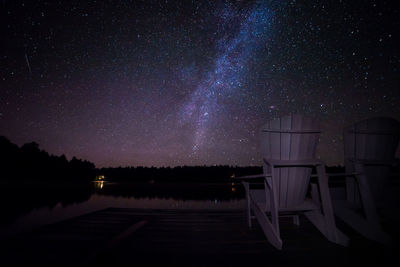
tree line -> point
(30, 162)
(218, 173)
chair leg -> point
(269, 226)
(326, 202)
(371, 231)
(296, 220)
(315, 194)
(274, 199)
(367, 200)
(265, 223)
(352, 191)
(369, 226)
(325, 221)
(247, 190)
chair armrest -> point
(339, 174)
(290, 163)
(375, 162)
(250, 177)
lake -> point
(28, 205)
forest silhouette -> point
(29, 162)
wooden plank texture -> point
(182, 238)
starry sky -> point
(167, 83)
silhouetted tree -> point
(29, 162)
(218, 174)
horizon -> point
(175, 166)
(175, 83)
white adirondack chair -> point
(369, 151)
(288, 149)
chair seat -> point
(258, 196)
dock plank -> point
(180, 238)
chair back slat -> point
(292, 137)
(373, 139)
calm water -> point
(29, 205)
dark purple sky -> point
(168, 83)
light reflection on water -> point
(98, 184)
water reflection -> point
(20, 198)
(29, 205)
(174, 191)
(98, 184)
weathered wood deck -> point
(136, 237)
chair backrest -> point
(374, 139)
(292, 137)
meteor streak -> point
(27, 63)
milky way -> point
(166, 83)
(229, 69)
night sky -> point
(168, 83)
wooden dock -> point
(139, 237)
